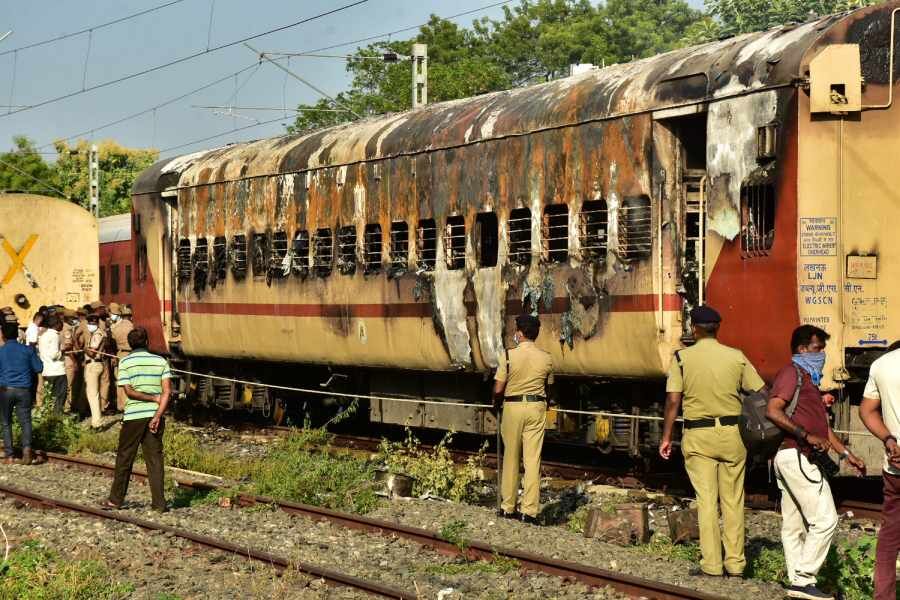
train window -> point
(519, 224)
(555, 232)
(300, 251)
(278, 267)
(142, 261)
(324, 252)
(486, 237)
(220, 260)
(201, 264)
(127, 279)
(373, 248)
(102, 280)
(239, 256)
(399, 247)
(594, 219)
(347, 249)
(113, 279)
(260, 254)
(455, 242)
(184, 260)
(635, 228)
(426, 244)
(757, 219)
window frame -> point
(550, 231)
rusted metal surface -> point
(628, 584)
(48, 251)
(331, 577)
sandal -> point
(108, 505)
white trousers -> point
(808, 516)
(93, 373)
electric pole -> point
(94, 179)
(419, 75)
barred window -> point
(556, 232)
(184, 260)
(486, 238)
(201, 264)
(372, 248)
(113, 279)
(347, 249)
(635, 228)
(455, 242)
(300, 260)
(426, 244)
(220, 259)
(239, 256)
(520, 236)
(127, 279)
(757, 219)
(399, 246)
(278, 268)
(324, 252)
(593, 225)
(260, 254)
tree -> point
(534, 41)
(24, 170)
(744, 16)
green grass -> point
(33, 572)
(497, 565)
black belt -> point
(698, 423)
(525, 398)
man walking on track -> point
(880, 412)
(145, 377)
(521, 382)
(706, 379)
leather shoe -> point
(698, 572)
(528, 519)
(509, 515)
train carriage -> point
(48, 254)
(752, 173)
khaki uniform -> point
(710, 376)
(120, 331)
(72, 361)
(523, 422)
(93, 374)
(106, 375)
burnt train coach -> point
(48, 254)
(393, 253)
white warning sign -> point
(818, 236)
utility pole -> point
(419, 75)
(94, 179)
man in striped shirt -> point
(145, 378)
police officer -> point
(93, 366)
(106, 375)
(706, 379)
(521, 382)
(72, 352)
(121, 326)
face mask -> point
(114, 318)
(74, 322)
(92, 328)
(516, 338)
(811, 362)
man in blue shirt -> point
(19, 365)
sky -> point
(34, 75)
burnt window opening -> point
(238, 254)
(757, 219)
(455, 242)
(635, 228)
(220, 260)
(113, 279)
(201, 264)
(324, 253)
(347, 250)
(102, 280)
(127, 279)
(142, 262)
(279, 262)
(260, 254)
(593, 230)
(184, 261)
(300, 251)
(555, 232)
(399, 247)
(372, 248)
(486, 231)
(426, 244)
(520, 236)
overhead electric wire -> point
(91, 28)
(184, 59)
(211, 137)
(30, 176)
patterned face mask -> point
(811, 362)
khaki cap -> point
(69, 314)
(114, 308)
(126, 311)
(96, 304)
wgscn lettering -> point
(18, 260)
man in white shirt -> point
(880, 412)
(51, 355)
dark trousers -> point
(888, 541)
(137, 433)
(58, 387)
(18, 399)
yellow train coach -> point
(48, 253)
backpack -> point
(761, 436)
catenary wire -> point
(183, 59)
(91, 28)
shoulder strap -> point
(680, 363)
(507, 363)
(793, 405)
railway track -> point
(279, 562)
(627, 584)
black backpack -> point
(761, 436)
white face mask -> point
(114, 318)
(92, 328)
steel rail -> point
(628, 584)
(331, 577)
